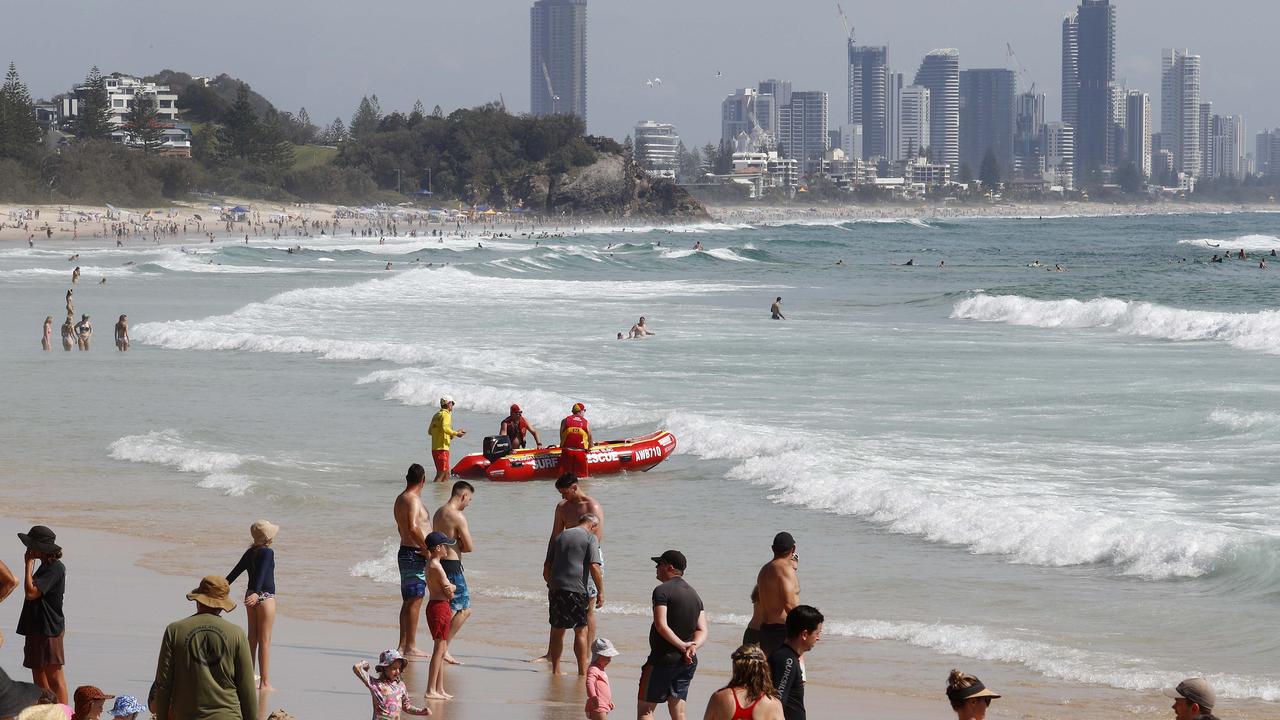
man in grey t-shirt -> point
(572, 558)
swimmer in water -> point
(388, 266)
(910, 262)
(697, 245)
(103, 281)
(638, 331)
(776, 309)
(122, 333)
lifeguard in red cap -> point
(515, 427)
(575, 441)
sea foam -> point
(1256, 331)
(168, 447)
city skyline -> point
(478, 61)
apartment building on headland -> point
(657, 148)
(124, 93)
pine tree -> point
(418, 114)
(335, 133)
(436, 112)
(366, 118)
(144, 128)
(240, 127)
(94, 120)
(989, 172)
(20, 135)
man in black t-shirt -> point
(679, 629)
(804, 630)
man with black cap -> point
(679, 629)
(204, 668)
(1193, 699)
(42, 621)
(777, 592)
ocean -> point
(1062, 478)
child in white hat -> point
(599, 697)
(389, 694)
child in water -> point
(387, 690)
(599, 697)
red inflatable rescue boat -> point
(500, 464)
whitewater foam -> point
(168, 447)
(1239, 420)
(1258, 331)
(1248, 243)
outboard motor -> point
(496, 446)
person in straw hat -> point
(42, 621)
(204, 668)
(259, 561)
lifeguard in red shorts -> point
(442, 433)
(575, 441)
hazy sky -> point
(325, 55)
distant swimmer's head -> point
(123, 318)
(966, 693)
(84, 317)
(446, 401)
(778, 299)
(641, 319)
(578, 407)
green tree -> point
(142, 125)
(240, 127)
(418, 114)
(989, 172)
(94, 120)
(709, 153)
(366, 118)
(20, 135)
(1129, 178)
(966, 173)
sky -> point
(325, 55)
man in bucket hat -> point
(42, 622)
(1193, 698)
(204, 669)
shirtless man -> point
(638, 331)
(450, 521)
(122, 333)
(775, 310)
(572, 506)
(778, 590)
(413, 523)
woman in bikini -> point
(749, 694)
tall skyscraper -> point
(1180, 110)
(558, 57)
(1208, 163)
(940, 72)
(740, 113)
(1070, 69)
(779, 89)
(1096, 42)
(1060, 153)
(893, 108)
(869, 96)
(1266, 154)
(1228, 147)
(1137, 131)
(802, 128)
(779, 92)
(914, 121)
(987, 118)
(1028, 145)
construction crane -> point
(845, 20)
(1023, 75)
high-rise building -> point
(1180, 110)
(657, 148)
(1096, 43)
(1208, 163)
(987, 117)
(940, 72)
(914, 121)
(1028, 145)
(1137, 131)
(558, 57)
(849, 138)
(1070, 68)
(779, 92)
(893, 83)
(1266, 155)
(740, 113)
(802, 128)
(1060, 146)
(869, 96)
(1227, 139)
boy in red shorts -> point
(439, 612)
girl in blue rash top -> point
(259, 562)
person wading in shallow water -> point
(413, 522)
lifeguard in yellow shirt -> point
(442, 433)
